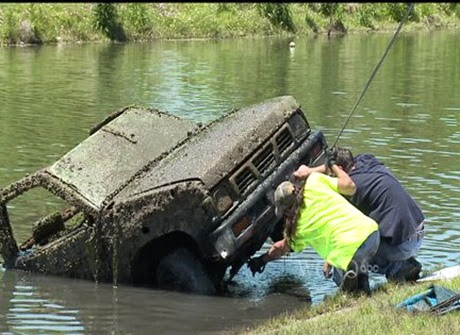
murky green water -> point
(51, 96)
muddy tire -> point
(181, 271)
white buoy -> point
(292, 44)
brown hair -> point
(344, 158)
(290, 220)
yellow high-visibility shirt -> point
(329, 223)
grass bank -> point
(343, 314)
(41, 23)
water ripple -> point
(53, 95)
(31, 313)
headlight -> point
(299, 126)
(223, 200)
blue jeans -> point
(389, 258)
(361, 259)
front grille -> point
(244, 179)
(284, 141)
(264, 160)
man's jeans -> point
(389, 258)
(361, 259)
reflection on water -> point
(33, 304)
(26, 310)
(52, 95)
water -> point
(409, 118)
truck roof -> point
(107, 159)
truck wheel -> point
(180, 270)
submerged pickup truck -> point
(155, 200)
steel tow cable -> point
(406, 15)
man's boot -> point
(414, 274)
(409, 271)
(363, 283)
(349, 282)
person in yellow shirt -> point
(316, 214)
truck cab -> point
(155, 200)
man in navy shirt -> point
(380, 196)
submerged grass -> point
(38, 23)
(345, 314)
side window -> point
(37, 217)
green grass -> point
(40, 23)
(46, 23)
(345, 314)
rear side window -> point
(37, 217)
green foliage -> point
(137, 20)
(44, 23)
(188, 20)
(9, 24)
(55, 22)
(242, 20)
(454, 8)
(335, 12)
(457, 10)
(223, 7)
(205, 20)
(310, 21)
(36, 18)
(74, 23)
(426, 9)
(315, 7)
(450, 8)
(105, 16)
(396, 11)
(106, 20)
(366, 14)
(327, 9)
(279, 14)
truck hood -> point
(218, 149)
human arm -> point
(304, 171)
(327, 270)
(277, 250)
(346, 186)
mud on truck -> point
(151, 199)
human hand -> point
(257, 264)
(327, 270)
(331, 154)
(302, 172)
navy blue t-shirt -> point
(380, 196)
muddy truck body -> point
(155, 200)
